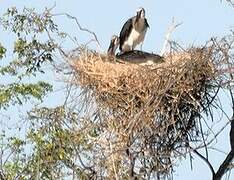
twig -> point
(172, 27)
(223, 168)
(80, 27)
(230, 2)
(215, 136)
(113, 161)
(204, 159)
(203, 138)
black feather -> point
(138, 57)
(125, 32)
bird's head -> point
(140, 13)
(114, 43)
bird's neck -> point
(140, 24)
(111, 52)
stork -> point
(133, 31)
(135, 56)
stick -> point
(171, 28)
(80, 27)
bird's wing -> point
(125, 31)
(146, 22)
(138, 57)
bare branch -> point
(230, 2)
(80, 27)
(206, 161)
(224, 166)
(215, 136)
(113, 161)
(172, 27)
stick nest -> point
(147, 113)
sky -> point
(201, 20)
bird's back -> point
(140, 57)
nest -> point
(147, 113)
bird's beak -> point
(138, 15)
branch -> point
(215, 135)
(171, 28)
(2, 177)
(79, 26)
(230, 2)
(224, 166)
(206, 161)
(113, 161)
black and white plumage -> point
(133, 31)
(135, 56)
(114, 43)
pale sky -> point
(202, 19)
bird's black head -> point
(140, 13)
(114, 43)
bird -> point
(135, 56)
(133, 31)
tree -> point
(60, 140)
(30, 54)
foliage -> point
(2, 51)
(29, 27)
(32, 49)
(62, 141)
(16, 93)
(54, 147)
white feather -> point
(134, 39)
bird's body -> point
(140, 57)
(133, 31)
(135, 56)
